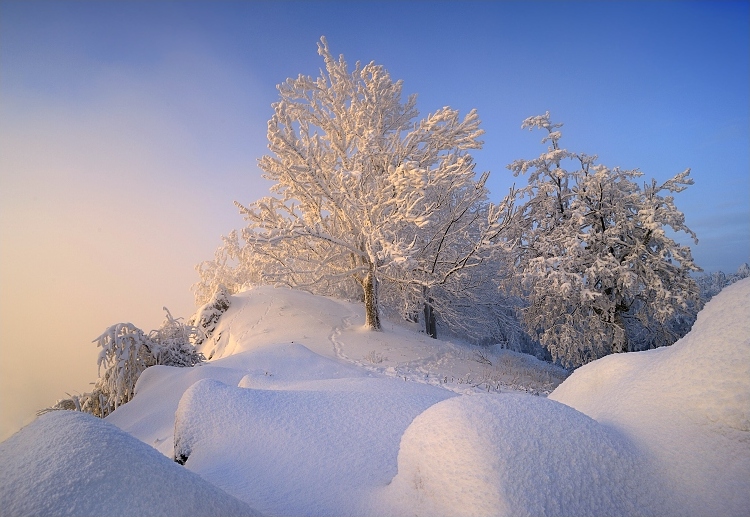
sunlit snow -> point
(301, 411)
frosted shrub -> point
(375, 357)
(712, 283)
(126, 351)
(174, 343)
(206, 318)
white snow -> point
(686, 407)
(514, 455)
(318, 448)
(302, 412)
(71, 463)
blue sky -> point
(128, 128)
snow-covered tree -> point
(453, 254)
(711, 284)
(363, 192)
(593, 253)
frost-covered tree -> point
(711, 284)
(594, 258)
(452, 255)
(363, 192)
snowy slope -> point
(333, 328)
(301, 412)
(71, 463)
(256, 335)
(687, 407)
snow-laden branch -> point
(593, 254)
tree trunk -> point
(620, 338)
(369, 285)
(430, 326)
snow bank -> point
(514, 455)
(150, 416)
(316, 448)
(687, 407)
(301, 412)
(265, 315)
(70, 463)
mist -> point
(106, 206)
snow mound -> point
(514, 455)
(319, 449)
(70, 463)
(686, 406)
(265, 316)
(150, 415)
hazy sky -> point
(128, 128)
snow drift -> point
(686, 407)
(71, 463)
(314, 448)
(515, 455)
(301, 412)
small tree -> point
(593, 252)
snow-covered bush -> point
(711, 284)
(233, 267)
(173, 344)
(126, 351)
(207, 316)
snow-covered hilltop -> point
(302, 412)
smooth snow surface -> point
(311, 449)
(71, 463)
(686, 407)
(515, 455)
(302, 412)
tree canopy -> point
(595, 261)
(365, 192)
